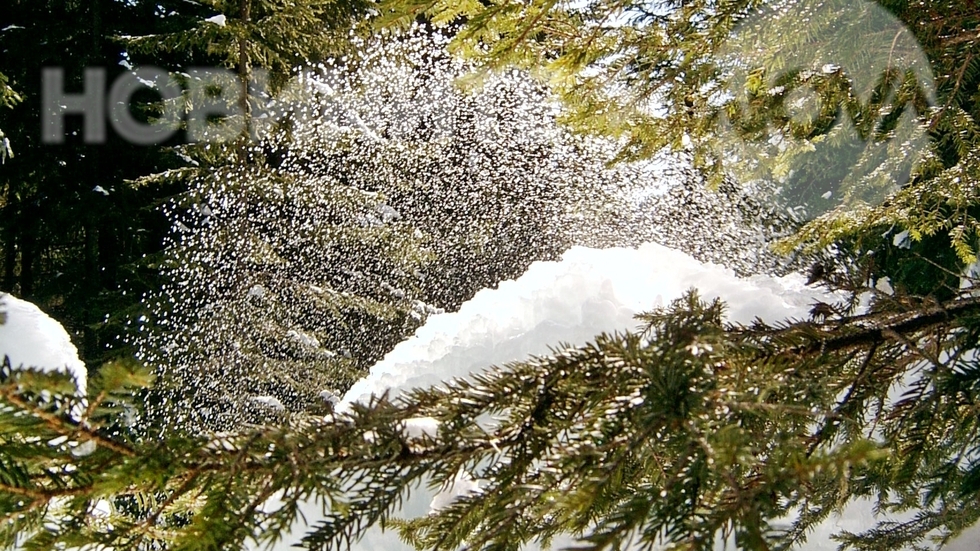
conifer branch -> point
(827, 429)
(64, 426)
(873, 329)
(43, 494)
(956, 89)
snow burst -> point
(392, 193)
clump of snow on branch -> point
(32, 339)
(588, 292)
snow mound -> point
(587, 292)
(30, 338)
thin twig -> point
(43, 493)
(64, 427)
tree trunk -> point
(28, 254)
(9, 257)
(244, 68)
(90, 289)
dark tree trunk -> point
(28, 257)
(9, 257)
(91, 287)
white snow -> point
(30, 338)
(971, 273)
(329, 397)
(85, 448)
(269, 401)
(885, 286)
(417, 429)
(219, 20)
(588, 292)
(302, 338)
(463, 484)
(902, 240)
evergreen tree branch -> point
(875, 328)
(61, 425)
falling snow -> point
(397, 194)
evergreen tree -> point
(269, 273)
(280, 284)
(73, 227)
(678, 434)
(8, 98)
